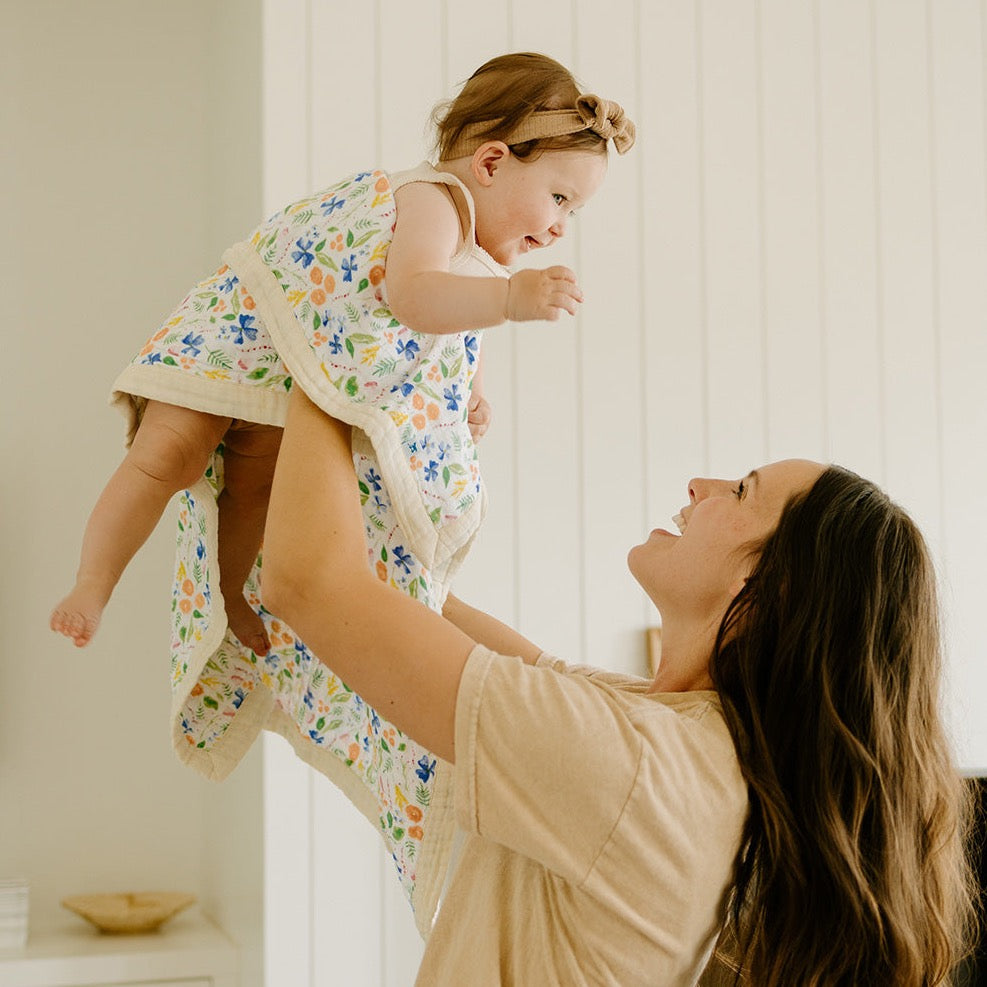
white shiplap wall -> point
(792, 261)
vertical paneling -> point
(906, 246)
(732, 236)
(343, 128)
(674, 398)
(610, 349)
(794, 357)
(959, 100)
(547, 435)
(410, 78)
(848, 237)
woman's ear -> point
(487, 158)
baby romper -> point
(307, 291)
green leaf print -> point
(349, 346)
(326, 261)
(210, 702)
(363, 284)
(171, 361)
(364, 489)
(316, 322)
(384, 368)
(435, 515)
(383, 553)
(257, 374)
(320, 723)
(362, 337)
(398, 833)
(445, 475)
(352, 387)
(217, 358)
(321, 245)
(423, 795)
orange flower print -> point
(376, 274)
(416, 832)
(380, 185)
(316, 275)
(434, 373)
(417, 401)
(185, 605)
(337, 242)
(418, 421)
(414, 813)
(197, 689)
(248, 303)
(432, 411)
(200, 600)
(354, 751)
(381, 571)
(188, 587)
(318, 297)
(329, 284)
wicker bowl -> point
(141, 912)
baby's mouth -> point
(680, 522)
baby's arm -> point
(478, 411)
(426, 297)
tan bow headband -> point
(602, 116)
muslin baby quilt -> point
(307, 291)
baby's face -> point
(527, 205)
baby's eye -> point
(559, 198)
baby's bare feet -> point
(78, 615)
(247, 625)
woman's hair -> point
(852, 869)
(504, 92)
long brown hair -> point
(504, 92)
(852, 869)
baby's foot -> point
(77, 616)
(247, 625)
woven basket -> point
(140, 912)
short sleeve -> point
(545, 761)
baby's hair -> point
(505, 92)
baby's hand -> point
(479, 416)
(543, 294)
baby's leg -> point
(251, 452)
(169, 452)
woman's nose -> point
(697, 489)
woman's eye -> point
(741, 487)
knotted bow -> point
(603, 116)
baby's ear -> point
(487, 158)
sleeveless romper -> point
(308, 291)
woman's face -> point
(696, 574)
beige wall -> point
(117, 197)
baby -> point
(414, 254)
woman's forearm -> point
(489, 631)
(402, 658)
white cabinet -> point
(188, 952)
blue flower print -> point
(453, 397)
(229, 283)
(407, 387)
(246, 329)
(152, 358)
(328, 208)
(200, 550)
(349, 266)
(409, 348)
(443, 449)
(373, 479)
(402, 559)
(303, 253)
(432, 470)
(192, 343)
(425, 768)
(471, 348)
(375, 722)
(309, 699)
(380, 505)
(316, 737)
(335, 345)
(363, 175)
(238, 697)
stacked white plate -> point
(13, 913)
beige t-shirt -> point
(602, 826)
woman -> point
(608, 817)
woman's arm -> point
(489, 631)
(402, 658)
